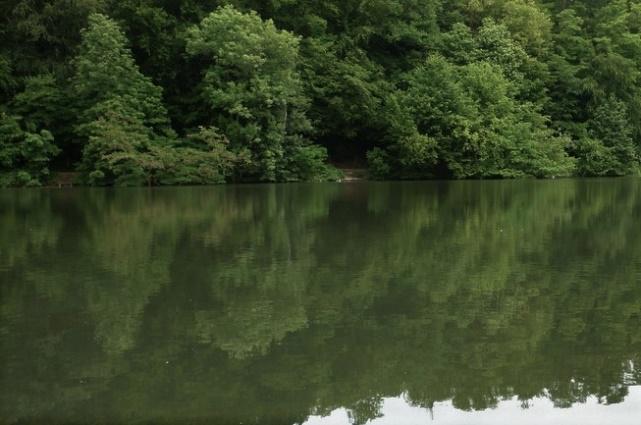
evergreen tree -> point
(105, 69)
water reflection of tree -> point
(271, 303)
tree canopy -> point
(411, 89)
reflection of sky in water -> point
(396, 411)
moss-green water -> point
(267, 304)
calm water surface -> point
(384, 303)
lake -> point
(445, 303)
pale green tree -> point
(254, 93)
(105, 68)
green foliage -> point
(255, 95)
(116, 152)
(469, 120)
(308, 162)
(204, 158)
(610, 124)
(45, 104)
(39, 36)
(7, 82)
(528, 22)
(295, 84)
(24, 155)
(121, 151)
(595, 159)
(608, 149)
(378, 162)
(41, 103)
(413, 156)
(569, 62)
(123, 116)
(105, 68)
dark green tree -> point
(24, 155)
(609, 149)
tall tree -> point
(121, 110)
(105, 68)
(253, 91)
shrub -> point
(24, 156)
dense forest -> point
(137, 92)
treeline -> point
(134, 92)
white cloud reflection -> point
(396, 411)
